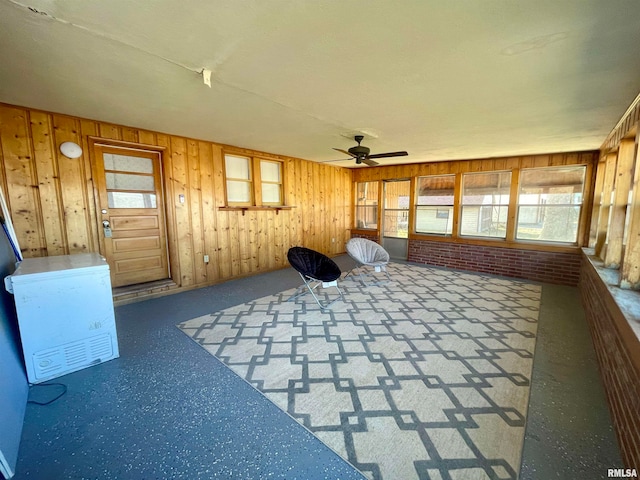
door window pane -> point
(549, 203)
(367, 205)
(131, 200)
(124, 181)
(126, 163)
(485, 204)
(396, 209)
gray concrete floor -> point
(569, 432)
(168, 409)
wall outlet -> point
(333, 240)
(206, 259)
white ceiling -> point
(444, 80)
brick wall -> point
(618, 352)
(550, 267)
(373, 237)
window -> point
(549, 204)
(239, 185)
(485, 204)
(271, 177)
(253, 181)
(367, 205)
(434, 204)
(130, 181)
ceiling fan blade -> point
(337, 160)
(371, 163)
(390, 154)
(345, 152)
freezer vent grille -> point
(72, 356)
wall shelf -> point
(243, 209)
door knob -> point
(106, 226)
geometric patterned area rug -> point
(423, 377)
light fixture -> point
(71, 149)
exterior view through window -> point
(485, 204)
(367, 205)
(434, 204)
(549, 203)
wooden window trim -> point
(255, 182)
(458, 233)
(249, 181)
(258, 175)
(416, 205)
(354, 216)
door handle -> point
(106, 226)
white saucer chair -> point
(368, 253)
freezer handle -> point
(8, 284)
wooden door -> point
(131, 214)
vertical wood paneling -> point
(222, 218)
(90, 128)
(48, 184)
(74, 194)
(179, 178)
(18, 170)
(112, 132)
(169, 199)
(209, 227)
(195, 204)
(52, 199)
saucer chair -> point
(367, 253)
(315, 269)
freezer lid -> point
(82, 263)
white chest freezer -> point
(65, 314)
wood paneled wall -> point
(52, 200)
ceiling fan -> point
(361, 153)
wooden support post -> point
(597, 201)
(605, 209)
(626, 154)
(630, 272)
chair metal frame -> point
(378, 266)
(311, 283)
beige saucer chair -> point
(367, 253)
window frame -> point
(449, 209)
(255, 181)
(280, 183)
(506, 206)
(580, 205)
(374, 207)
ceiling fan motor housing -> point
(359, 151)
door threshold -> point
(138, 291)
